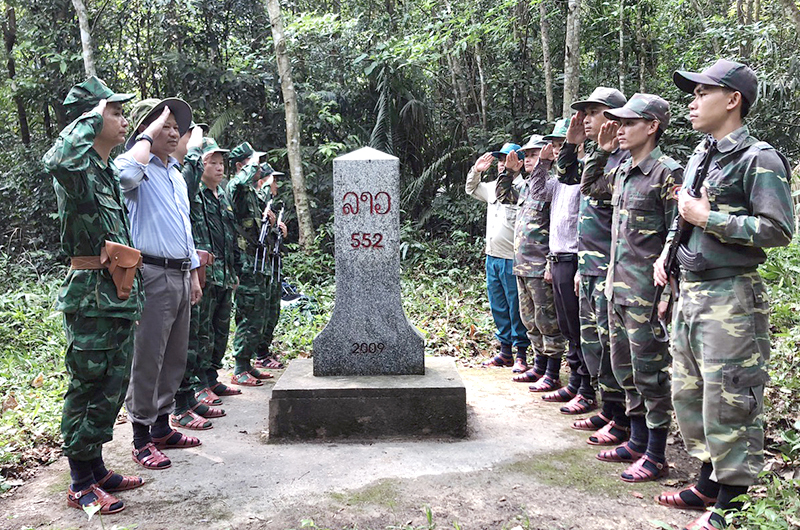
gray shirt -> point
(564, 213)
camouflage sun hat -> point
(210, 146)
(148, 107)
(729, 74)
(242, 152)
(559, 130)
(85, 96)
(610, 97)
(536, 141)
(507, 148)
(643, 106)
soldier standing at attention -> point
(643, 189)
(99, 312)
(720, 328)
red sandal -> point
(258, 374)
(196, 423)
(222, 390)
(578, 405)
(611, 455)
(154, 459)
(529, 376)
(703, 523)
(208, 397)
(562, 395)
(245, 379)
(586, 424)
(128, 483)
(500, 361)
(108, 503)
(520, 366)
(270, 363)
(673, 499)
(183, 442)
(636, 472)
(605, 437)
(210, 413)
(545, 384)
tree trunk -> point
(86, 37)
(301, 204)
(10, 37)
(621, 59)
(641, 42)
(572, 55)
(458, 95)
(792, 10)
(479, 61)
(548, 69)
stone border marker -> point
(368, 333)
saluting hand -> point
(513, 163)
(575, 132)
(547, 153)
(484, 162)
(196, 139)
(155, 128)
(100, 107)
(607, 139)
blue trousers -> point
(501, 286)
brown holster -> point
(206, 258)
(121, 262)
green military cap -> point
(536, 141)
(610, 97)
(85, 96)
(210, 146)
(729, 74)
(643, 106)
(559, 130)
(243, 151)
(180, 110)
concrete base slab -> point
(307, 407)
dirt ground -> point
(521, 465)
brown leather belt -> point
(86, 263)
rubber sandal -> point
(196, 423)
(673, 499)
(154, 459)
(562, 395)
(605, 437)
(611, 455)
(545, 384)
(107, 502)
(530, 376)
(258, 374)
(587, 425)
(245, 379)
(499, 361)
(520, 366)
(221, 389)
(636, 472)
(208, 397)
(270, 363)
(702, 523)
(184, 442)
(210, 413)
(127, 483)
(578, 405)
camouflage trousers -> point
(537, 309)
(252, 307)
(98, 361)
(721, 349)
(641, 365)
(595, 346)
(208, 336)
(274, 293)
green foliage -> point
(773, 506)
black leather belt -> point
(179, 264)
(566, 256)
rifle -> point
(276, 249)
(682, 230)
(261, 249)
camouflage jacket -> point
(91, 210)
(213, 223)
(751, 206)
(644, 199)
(594, 226)
(532, 227)
(248, 207)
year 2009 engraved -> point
(368, 347)
(366, 240)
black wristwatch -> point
(144, 136)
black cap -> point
(728, 74)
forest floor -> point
(521, 466)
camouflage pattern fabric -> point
(641, 365)
(595, 346)
(98, 361)
(274, 293)
(252, 307)
(538, 312)
(214, 319)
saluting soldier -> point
(643, 196)
(720, 327)
(99, 313)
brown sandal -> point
(128, 483)
(245, 379)
(210, 413)
(107, 502)
(154, 459)
(270, 362)
(587, 425)
(222, 390)
(258, 374)
(196, 423)
(184, 442)
(208, 397)
(528, 376)
(637, 473)
(673, 499)
(604, 436)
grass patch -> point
(383, 493)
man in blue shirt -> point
(158, 206)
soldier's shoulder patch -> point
(669, 162)
(676, 189)
(247, 223)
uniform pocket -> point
(742, 393)
(642, 213)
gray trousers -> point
(160, 344)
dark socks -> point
(505, 351)
(586, 389)
(161, 427)
(183, 401)
(704, 485)
(540, 364)
(639, 434)
(141, 435)
(99, 471)
(242, 366)
(81, 473)
(622, 422)
(522, 353)
(725, 502)
(553, 368)
(574, 381)
(211, 377)
(657, 444)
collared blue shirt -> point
(158, 207)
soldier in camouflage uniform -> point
(643, 189)
(531, 235)
(721, 324)
(249, 202)
(594, 247)
(98, 323)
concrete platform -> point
(333, 407)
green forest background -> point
(434, 82)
